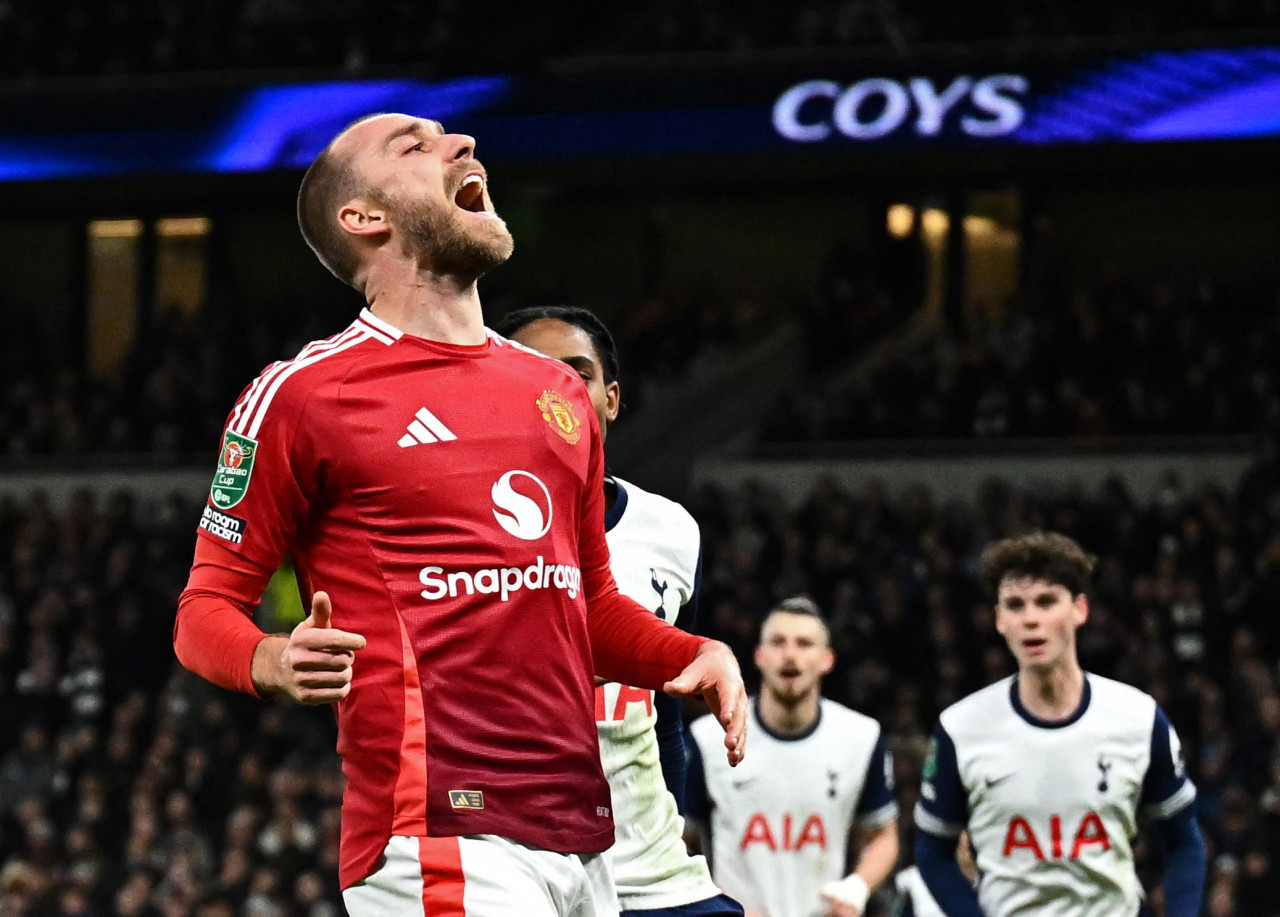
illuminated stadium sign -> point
(154, 128)
(878, 107)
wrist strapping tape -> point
(852, 890)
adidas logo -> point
(426, 428)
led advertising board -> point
(175, 127)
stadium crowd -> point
(1151, 359)
(1137, 359)
(85, 38)
(129, 787)
(173, 408)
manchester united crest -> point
(558, 412)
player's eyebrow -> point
(413, 127)
(581, 364)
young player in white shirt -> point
(1048, 769)
(780, 826)
(655, 552)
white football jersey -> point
(780, 820)
(1051, 807)
(653, 546)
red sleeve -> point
(239, 548)
(214, 634)
(633, 646)
(629, 644)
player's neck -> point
(438, 307)
(1053, 694)
(787, 717)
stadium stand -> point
(79, 38)
(134, 788)
(1152, 358)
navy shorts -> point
(719, 906)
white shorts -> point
(482, 875)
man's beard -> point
(441, 242)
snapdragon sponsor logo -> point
(870, 109)
(501, 581)
(525, 517)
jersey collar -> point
(1034, 720)
(614, 514)
(784, 736)
(386, 328)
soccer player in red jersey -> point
(656, 557)
(439, 490)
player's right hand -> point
(714, 674)
(318, 660)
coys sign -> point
(878, 107)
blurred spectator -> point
(173, 409)
(1130, 359)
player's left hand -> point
(715, 675)
(845, 898)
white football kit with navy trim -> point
(654, 547)
(780, 820)
(1051, 807)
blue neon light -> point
(276, 127)
(1162, 96)
(283, 127)
(30, 162)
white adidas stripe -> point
(418, 435)
(260, 385)
(432, 423)
(367, 322)
(261, 411)
(426, 428)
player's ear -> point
(828, 661)
(612, 401)
(1080, 609)
(358, 217)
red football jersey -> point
(449, 500)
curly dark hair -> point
(1048, 556)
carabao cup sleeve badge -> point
(235, 465)
(558, 412)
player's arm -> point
(631, 645)
(941, 814)
(697, 810)
(1167, 795)
(669, 728)
(237, 550)
(215, 637)
(876, 837)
